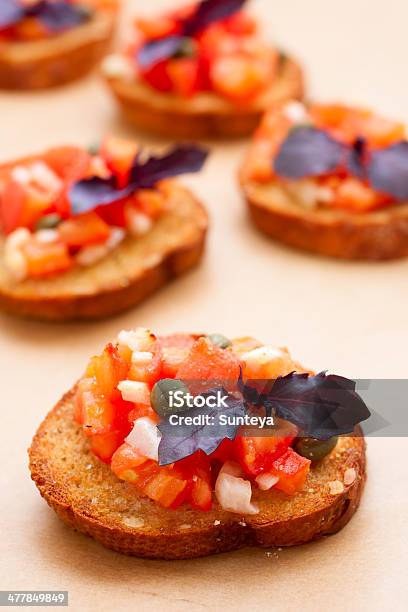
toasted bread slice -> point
(376, 235)
(58, 59)
(130, 273)
(206, 115)
(86, 495)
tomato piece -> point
(84, 229)
(119, 155)
(175, 349)
(352, 194)
(166, 488)
(92, 410)
(225, 452)
(257, 452)
(158, 77)
(30, 28)
(149, 373)
(240, 24)
(113, 214)
(244, 344)
(238, 76)
(196, 469)
(157, 28)
(381, 132)
(12, 201)
(292, 470)
(151, 201)
(207, 362)
(44, 259)
(104, 445)
(70, 163)
(108, 369)
(184, 75)
(126, 460)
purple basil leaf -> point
(321, 406)
(155, 51)
(308, 151)
(57, 16)
(208, 12)
(179, 441)
(180, 160)
(388, 170)
(89, 193)
(11, 12)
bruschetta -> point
(331, 179)
(87, 234)
(200, 72)
(118, 459)
(44, 43)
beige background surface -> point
(349, 318)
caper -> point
(187, 49)
(163, 400)
(315, 449)
(48, 222)
(94, 148)
(84, 11)
(219, 340)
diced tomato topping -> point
(94, 411)
(196, 470)
(238, 76)
(108, 369)
(352, 194)
(292, 470)
(125, 461)
(149, 373)
(158, 77)
(104, 445)
(113, 214)
(150, 201)
(166, 488)
(175, 350)
(12, 201)
(46, 258)
(30, 28)
(83, 230)
(244, 344)
(348, 123)
(240, 24)
(184, 76)
(70, 163)
(257, 453)
(207, 362)
(119, 154)
(157, 28)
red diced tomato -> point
(108, 369)
(292, 470)
(354, 195)
(113, 214)
(240, 24)
(257, 453)
(184, 76)
(92, 410)
(44, 259)
(151, 201)
(70, 163)
(149, 373)
(196, 469)
(207, 362)
(29, 29)
(166, 488)
(158, 77)
(125, 461)
(119, 154)
(83, 230)
(12, 202)
(175, 349)
(238, 76)
(157, 28)
(104, 445)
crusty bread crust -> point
(134, 270)
(377, 235)
(58, 59)
(206, 115)
(87, 496)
